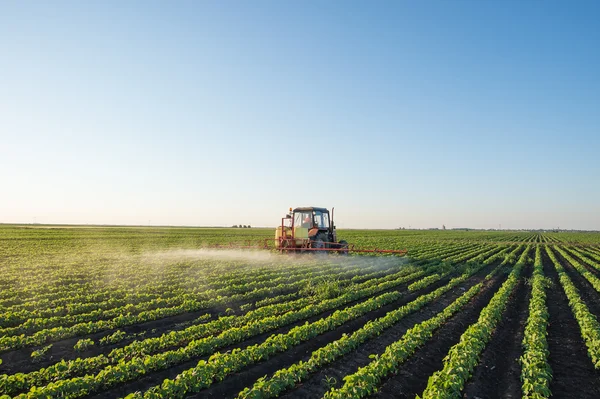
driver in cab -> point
(307, 222)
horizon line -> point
(270, 227)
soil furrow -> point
(498, 373)
(155, 378)
(20, 360)
(412, 376)
(304, 351)
(584, 262)
(587, 292)
(318, 384)
(572, 371)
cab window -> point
(303, 219)
(321, 219)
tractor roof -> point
(310, 209)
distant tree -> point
(248, 226)
(235, 226)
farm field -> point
(136, 312)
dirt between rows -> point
(583, 261)
(498, 374)
(314, 386)
(412, 376)
(155, 378)
(20, 361)
(587, 292)
(573, 375)
(318, 384)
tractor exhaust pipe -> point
(331, 221)
(332, 226)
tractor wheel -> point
(318, 243)
(343, 247)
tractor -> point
(308, 229)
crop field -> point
(109, 312)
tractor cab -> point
(309, 229)
(314, 223)
(306, 227)
(312, 219)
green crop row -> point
(127, 370)
(220, 365)
(424, 282)
(36, 324)
(536, 372)
(497, 253)
(587, 256)
(444, 251)
(52, 334)
(590, 277)
(588, 324)
(65, 369)
(463, 357)
(111, 301)
(484, 251)
(366, 380)
(490, 254)
(288, 378)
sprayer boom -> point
(309, 229)
(329, 247)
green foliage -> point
(588, 324)
(287, 378)
(83, 344)
(113, 338)
(330, 382)
(69, 283)
(40, 354)
(324, 288)
(536, 373)
(463, 357)
(256, 323)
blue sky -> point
(418, 114)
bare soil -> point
(20, 361)
(573, 374)
(155, 378)
(412, 376)
(498, 373)
(316, 386)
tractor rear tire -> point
(318, 243)
(343, 247)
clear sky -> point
(401, 113)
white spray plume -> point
(262, 256)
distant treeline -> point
(241, 226)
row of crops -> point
(157, 313)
